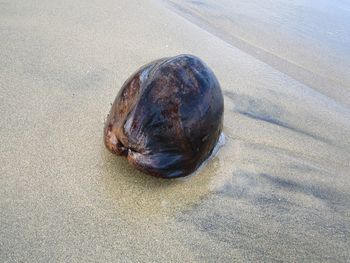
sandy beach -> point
(279, 190)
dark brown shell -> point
(167, 117)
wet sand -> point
(277, 191)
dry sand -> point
(278, 191)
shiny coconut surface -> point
(167, 117)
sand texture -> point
(279, 190)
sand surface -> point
(279, 190)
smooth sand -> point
(278, 190)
